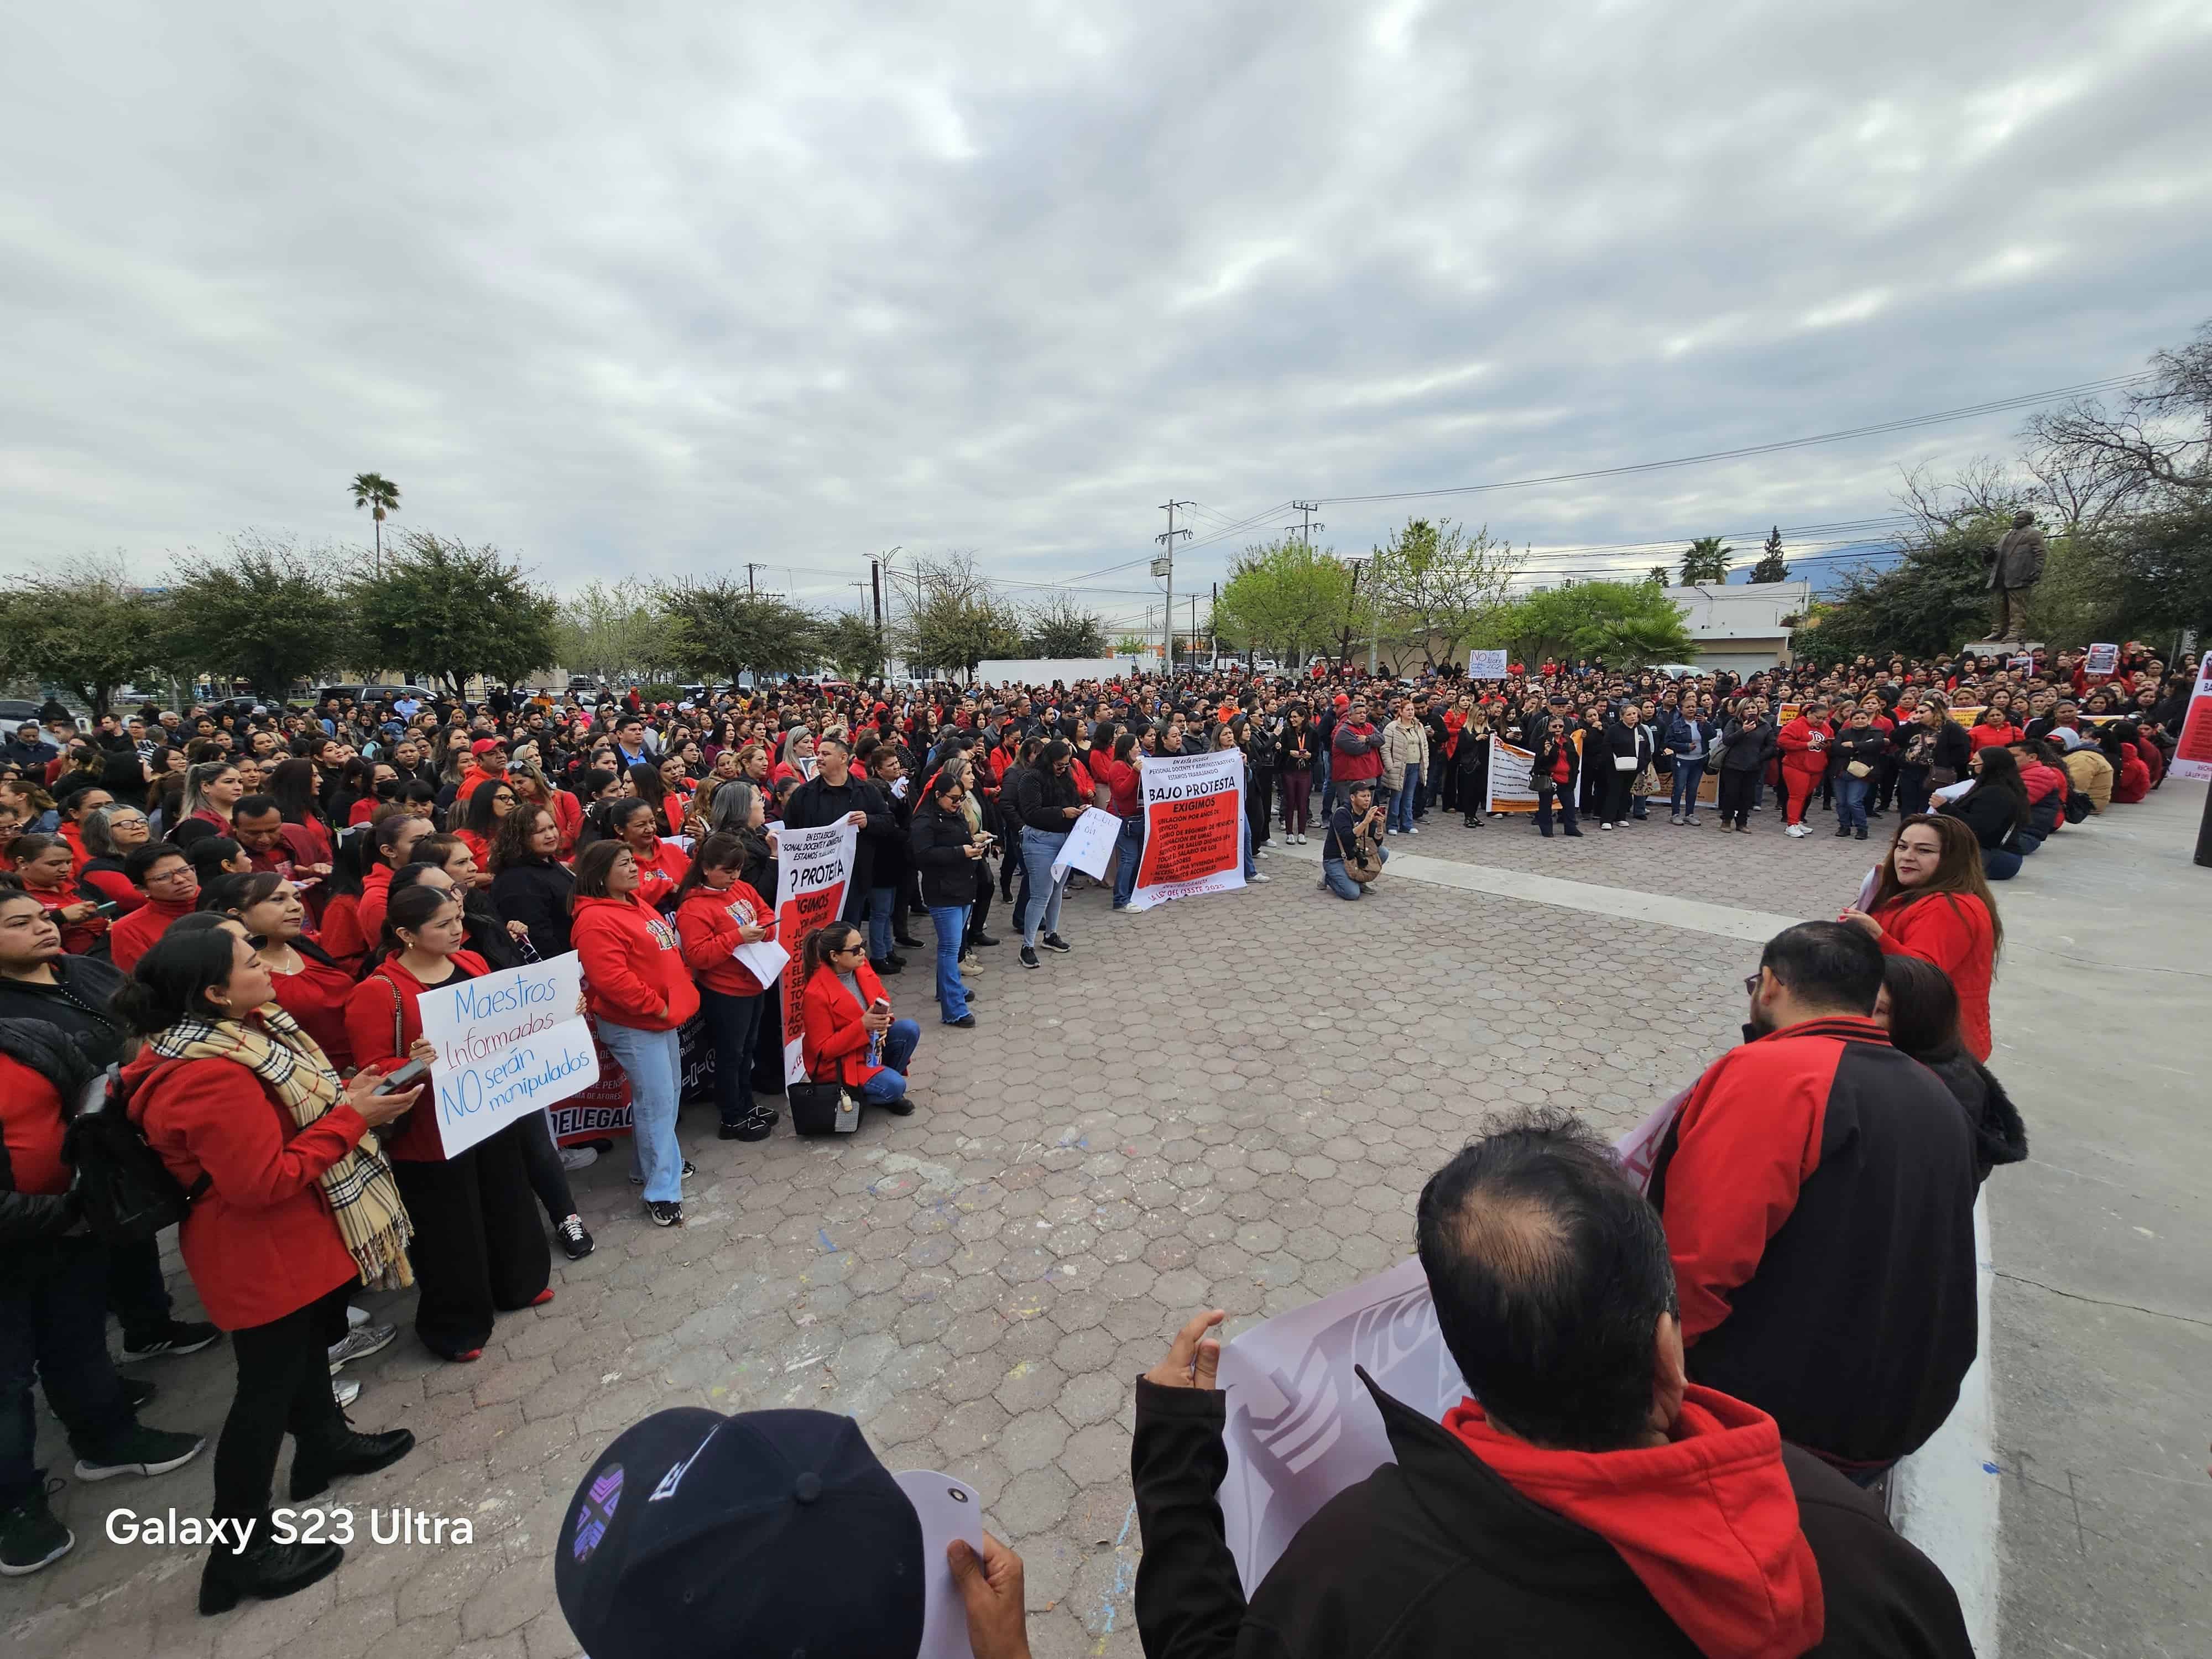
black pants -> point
(136, 1294)
(1738, 791)
(478, 1248)
(1260, 803)
(1619, 786)
(768, 1044)
(53, 1325)
(284, 1387)
(542, 1158)
(733, 1023)
(1912, 790)
(979, 913)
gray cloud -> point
(654, 288)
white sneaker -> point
(1605, 826)
(1261, 875)
(578, 1157)
(1261, 853)
(362, 1343)
(345, 1391)
(1413, 831)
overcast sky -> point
(659, 288)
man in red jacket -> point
(1818, 1188)
(1355, 752)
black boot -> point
(312, 1467)
(266, 1569)
(911, 944)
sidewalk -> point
(2103, 1241)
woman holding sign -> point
(640, 993)
(478, 1250)
(718, 915)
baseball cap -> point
(1342, 701)
(483, 745)
(696, 1535)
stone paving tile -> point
(1766, 870)
(1230, 1101)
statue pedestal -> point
(2002, 649)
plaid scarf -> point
(363, 1197)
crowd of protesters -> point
(243, 907)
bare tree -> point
(2161, 433)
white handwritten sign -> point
(509, 1044)
(1486, 665)
(1090, 843)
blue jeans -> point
(733, 1025)
(1999, 865)
(1401, 804)
(1244, 826)
(1850, 801)
(882, 903)
(1684, 798)
(951, 922)
(653, 1060)
(1341, 884)
(889, 1084)
(1038, 851)
(53, 1323)
(1128, 847)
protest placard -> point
(509, 1044)
(1302, 1426)
(2101, 660)
(813, 869)
(2192, 755)
(1486, 665)
(1193, 807)
(1090, 843)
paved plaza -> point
(1232, 1101)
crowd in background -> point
(242, 906)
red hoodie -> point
(708, 921)
(1708, 1521)
(633, 962)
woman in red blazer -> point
(639, 992)
(220, 1091)
(1933, 902)
(845, 1009)
(478, 1248)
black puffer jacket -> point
(1999, 1136)
(937, 839)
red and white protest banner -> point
(1193, 807)
(813, 867)
(2192, 758)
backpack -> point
(2078, 806)
(128, 1193)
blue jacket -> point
(1688, 739)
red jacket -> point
(79, 937)
(134, 935)
(659, 873)
(31, 1130)
(568, 814)
(633, 962)
(382, 1020)
(317, 997)
(1795, 740)
(2001, 737)
(710, 932)
(375, 899)
(340, 933)
(2131, 780)
(260, 1243)
(1122, 784)
(1953, 930)
(112, 886)
(833, 1033)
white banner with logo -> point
(812, 869)
(1193, 807)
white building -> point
(1742, 627)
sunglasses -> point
(1751, 982)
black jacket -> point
(80, 1002)
(537, 896)
(948, 874)
(1868, 745)
(1746, 745)
(1437, 1554)
(1999, 1136)
(815, 804)
(1041, 800)
(1991, 814)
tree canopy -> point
(955, 621)
(1771, 567)
(714, 628)
(454, 610)
(1287, 599)
(261, 613)
(1435, 584)
(608, 629)
(850, 643)
(83, 626)
(1624, 624)
(1059, 627)
(1706, 562)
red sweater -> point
(834, 1035)
(317, 997)
(386, 998)
(633, 962)
(135, 934)
(658, 872)
(1122, 783)
(375, 899)
(113, 886)
(31, 1127)
(707, 922)
(340, 933)
(1795, 740)
(260, 1243)
(2001, 737)
(2131, 782)
(1953, 930)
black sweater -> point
(936, 840)
(1041, 801)
(537, 896)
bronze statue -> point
(2015, 566)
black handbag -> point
(823, 1109)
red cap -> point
(1342, 701)
(483, 745)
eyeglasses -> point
(1751, 982)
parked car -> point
(13, 711)
(373, 694)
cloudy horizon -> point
(657, 291)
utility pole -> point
(1212, 639)
(1165, 567)
(1305, 534)
(1352, 601)
(751, 590)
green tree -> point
(451, 610)
(1059, 629)
(264, 613)
(2160, 439)
(1707, 561)
(1771, 567)
(2165, 560)
(850, 643)
(713, 628)
(380, 495)
(1623, 624)
(956, 620)
(1133, 645)
(1657, 576)
(1924, 604)
(609, 630)
(86, 627)
(1438, 584)
(1288, 599)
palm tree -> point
(1707, 561)
(380, 495)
